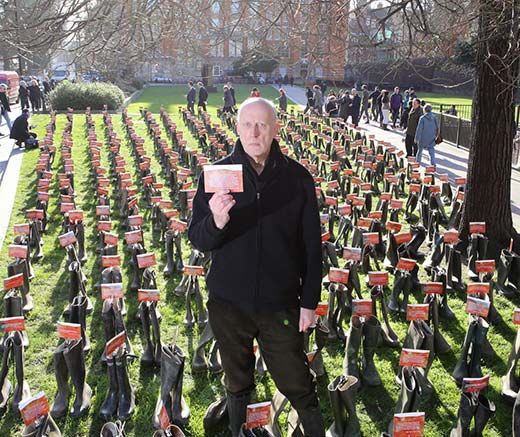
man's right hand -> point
(220, 204)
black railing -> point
(462, 111)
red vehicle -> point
(12, 80)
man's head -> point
(416, 103)
(428, 108)
(257, 125)
(200, 84)
(364, 87)
(26, 113)
(354, 91)
(397, 90)
(3, 87)
(190, 83)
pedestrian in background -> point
(5, 107)
(318, 99)
(365, 103)
(310, 100)
(255, 92)
(35, 95)
(396, 101)
(228, 100)
(355, 106)
(426, 134)
(413, 121)
(385, 109)
(374, 96)
(282, 100)
(23, 95)
(203, 96)
(190, 97)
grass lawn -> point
(49, 288)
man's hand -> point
(220, 204)
(307, 319)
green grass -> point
(49, 288)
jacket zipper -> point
(258, 247)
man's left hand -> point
(307, 319)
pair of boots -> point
(197, 258)
(454, 270)
(113, 429)
(79, 231)
(77, 287)
(113, 323)
(321, 333)
(120, 399)
(388, 335)
(419, 336)
(217, 417)
(342, 395)
(173, 246)
(69, 360)
(402, 284)
(409, 399)
(78, 314)
(35, 239)
(15, 268)
(440, 345)
(510, 382)
(508, 271)
(368, 330)
(438, 274)
(436, 255)
(13, 344)
(472, 349)
(477, 406)
(199, 363)
(193, 293)
(339, 298)
(172, 374)
(13, 308)
(44, 427)
(477, 251)
(152, 349)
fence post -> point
(441, 110)
(459, 125)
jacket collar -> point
(276, 160)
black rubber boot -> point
(388, 335)
(414, 340)
(113, 429)
(342, 394)
(109, 407)
(237, 406)
(21, 390)
(78, 314)
(445, 312)
(454, 271)
(80, 236)
(436, 255)
(476, 349)
(75, 359)
(198, 363)
(485, 410)
(126, 402)
(147, 357)
(441, 346)
(409, 397)
(503, 270)
(353, 343)
(5, 384)
(510, 380)
(61, 372)
(45, 427)
(467, 408)
(156, 332)
(472, 257)
(107, 315)
(461, 370)
(371, 334)
(216, 417)
(169, 267)
(15, 268)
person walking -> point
(374, 97)
(265, 276)
(426, 134)
(23, 95)
(310, 100)
(282, 100)
(35, 95)
(255, 92)
(228, 100)
(232, 91)
(365, 103)
(396, 101)
(203, 97)
(344, 102)
(355, 106)
(190, 97)
(413, 120)
(5, 107)
(385, 109)
(318, 99)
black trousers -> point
(281, 345)
(411, 146)
(202, 105)
(190, 108)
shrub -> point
(81, 95)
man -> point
(355, 106)
(426, 134)
(20, 131)
(5, 107)
(396, 101)
(365, 103)
(232, 91)
(374, 96)
(191, 97)
(318, 99)
(411, 128)
(228, 100)
(203, 97)
(264, 280)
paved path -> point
(10, 164)
(450, 159)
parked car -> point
(12, 80)
(60, 75)
(162, 79)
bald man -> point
(265, 277)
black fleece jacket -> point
(268, 256)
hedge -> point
(79, 96)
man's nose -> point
(256, 130)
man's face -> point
(3, 89)
(416, 104)
(256, 129)
(397, 90)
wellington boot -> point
(331, 313)
(445, 312)
(342, 395)
(21, 390)
(171, 431)
(493, 317)
(78, 314)
(80, 236)
(388, 335)
(278, 404)
(13, 308)
(214, 364)
(237, 406)
(107, 315)
(409, 397)
(472, 257)
(113, 429)
(402, 283)
(503, 270)
(5, 385)
(216, 417)
(45, 427)
(36, 241)
(353, 343)
(109, 407)
(441, 346)
(15, 268)
(371, 335)
(198, 363)
(461, 370)
(392, 257)
(454, 270)
(320, 338)
(439, 205)
(422, 373)
(411, 206)
(169, 267)
(75, 359)
(260, 367)
(156, 332)
(354, 284)
(172, 369)
(455, 216)
(412, 247)
(61, 372)
(435, 257)
(294, 425)
(510, 385)
(467, 408)
(180, 290)
(311, 422)
(485, 410)
(516, 417)
(514, 272)
(446, 193)
(147, 357)
(126, 402)
(476, 349)
(179, 264)
(414, 340)
(202, 313)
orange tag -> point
(65, 183)
(376, 215)
(322, 309)
(403, 237)
(166, 204)
(444, 177)
(370, 238)
(415, 188)
(13, 281)
(102, 210)
(144, 295)
(435, 189)
(110, 239)
(69, 331)
(12, 324)
(419, 311)
(393, 226)
(332, 184)
(396, 204)
(21, 229)
(34, 408)
(451, 236)
(112, 291)
(362, 307)
(460, 181)
(364, 222)
(477, 228)
(102, 191)
(408, 425)
(258, 415)
(485, 266)
(516, 316)
(325, 236)
(135, 220)
(430, 169)
(43, 197)
(104, 226)
(17, 251)
(146, 260)
(433, 287)
(178, 225)
(352, 253)
(338, 275)
(460, 196)
(378, 278)
(367, 186)
(193, 270)
(114, 344)
(331, 201)
(34, 214)
(479, 307)
(478, 288)
(223, 178)
(475, 385)
(406, 264)
(110, 260)
(414, 358)
(133, 237)
(428, 180)
(164, 421)
(66, 207)
(67, 239)
(358, 201)
(345, 210)
(386, 196)
(76, 215)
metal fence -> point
(462, 111)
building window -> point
(217, 70)
(235, 48)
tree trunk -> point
(488, 189)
